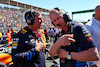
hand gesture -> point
(65, 40)
(38, 45)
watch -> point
(69, 56)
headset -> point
(29, 17)
(65, 16)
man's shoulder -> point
(80, 28)
(77, 25)
(89, 23)
(21, 33)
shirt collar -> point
(96, 21)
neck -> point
(97, 18)
(31, 28)
(66, 27)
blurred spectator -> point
(12, 33)
(0, 37)
(51, 33)
(4, 41)
(46, 33)
(57, 32)
(94, 28)
(9, 37)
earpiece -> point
(66, 18)
(29, 17)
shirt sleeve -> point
(83, 37)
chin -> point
(60, 27)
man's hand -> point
(38, 45)
(65, 40)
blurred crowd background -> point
(12, 21)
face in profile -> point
(38, 20)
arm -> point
(24, 56)
(62, 41)
(22, 52)
(54, 49)
(86, 55)
(89, 51)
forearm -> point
(54, 49)
(86, 55)
(24, 56)
(63, 53)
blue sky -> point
(68, 5)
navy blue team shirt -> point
(24, 53)
(84, 41)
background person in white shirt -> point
(94, 27)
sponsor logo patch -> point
(24, 31)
